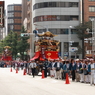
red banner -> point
(51, 55)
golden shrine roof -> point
(47, 34)
(7, 47)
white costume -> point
(52, 71)
(92, 74)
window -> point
(75, 44)
(73, 4)
(73, 17)
(57, 31)
(10, 21)
(55, 4)
(66, 46)
(55, 18)
(91, 0)
(10, 8)
(11, 14)
(91, 17)
(66, 4)
(91, 8)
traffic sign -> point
(65, 53)
(25, 34)
(73, 49)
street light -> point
(69, 40)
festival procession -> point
(48, 63)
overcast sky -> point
(7, 2)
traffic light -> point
(24, 34)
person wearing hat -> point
(33, 66)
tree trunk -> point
(83, 49)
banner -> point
(51, 55)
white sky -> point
(7, 2)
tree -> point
(14, 44)
(17, 43)
(82, 33)
(23, 44)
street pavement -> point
(12, 83)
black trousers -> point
(33, 71)
(73, 75)
(45, 72)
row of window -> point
(91, 8)
(10, 21)
(58, 31)
(91, 0)
(11, 14)
(55, 18)
(10, 8)
(55, 4)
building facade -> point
(88, 10)
(59, 17)
(27, 21)
(89, 15)
(24, 10)
(2, 21)
(14, 22)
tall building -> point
(29, 16)
(27, 20)
(89, 14)
(59, 17)
(2, 24)
(14, 12)
(24, 10)
(88, 10)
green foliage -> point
(17, 43)
(82, 33)
(23, 45)
(81, 30)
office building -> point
(14, 22)
(59, 17)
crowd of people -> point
(78, 70)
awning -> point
(37, 54)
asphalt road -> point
(19, 84)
